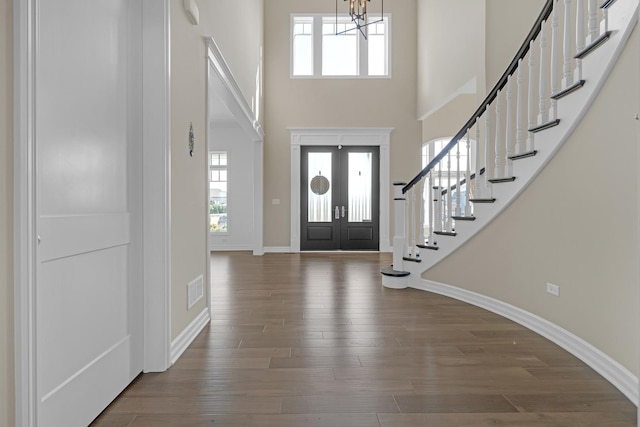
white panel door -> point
(88, 288)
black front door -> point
(340, 193)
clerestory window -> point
(323, 46)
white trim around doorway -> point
(380, 137)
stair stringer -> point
(623, 17)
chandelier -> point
(358, 14)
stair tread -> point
(445, 233)
(501, 180)
(433, 248)
(389, 271)
(577, 85)
(544, 126)
(593, 45)
(412, 259)
(523, 155)
(482, 200)
(464, 218)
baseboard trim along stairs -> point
(613, 371)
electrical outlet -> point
(553, 289)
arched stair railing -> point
(522, 105)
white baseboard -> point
(611, 370)
(229, 248)
(186, 337)
(277, 249)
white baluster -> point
(567, 71)
(543, 110)
(412, 221)
(421, 237)
(407, 225)
(438, 198)
(458, 199)
(467, 178)
(531, 108)
(477, 187)
(604, 24)
(592, 22)
(488, 153)
(521, 146)
(432, 210)
(508, 140)
(579, 36)
(555, 83)
(498, 171)
(449, 225)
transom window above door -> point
(326, 46)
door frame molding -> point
(380, 137)
(156, 105)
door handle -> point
(337, 214)
(343, 211)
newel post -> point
(400, 225)
(394, 277)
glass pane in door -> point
(360, 169)
(319, 182)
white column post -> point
(592, 21)
(467, 178)
(531, 101)
(488, 191)
(421, 208)
(555, 83)
(567, 71)
(580, 40)
(477, 182)
(449, 208)
(399, 237)
(432, 210)
(521, 146)
(543, 110)
(412, 221)
(604, 24)
(438, 199)
(498, 171)
(458, 199)
(508, 140)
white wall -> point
(241, 47)
(507, 24)
(332, 103)
(575, 226)
(6, 215)
(451, 51)
(240, 235)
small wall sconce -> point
(191, 139)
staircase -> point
(524, 120)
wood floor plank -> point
(308, 362)
(314, 340)
(505, 419)
(188, 405)
(454, 403)
(338, 404)
(575, 402)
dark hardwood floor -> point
(314, 340)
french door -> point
(340, 191)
